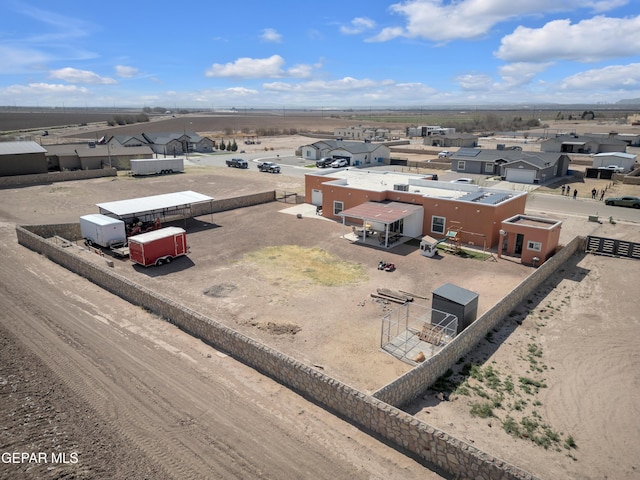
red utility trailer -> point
(158, 247)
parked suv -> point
(444, 154)
(340, 162)
(324, 162)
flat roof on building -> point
(380, 181)
(531, 221)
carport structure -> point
(169, 206)
(385, 221)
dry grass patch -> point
(305, 266)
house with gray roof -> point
(511, 165)
(166, 143)
(356, 153)
(583, 144)
(128, 140)
(451, 140)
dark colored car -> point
(633, 202)
(324, 162)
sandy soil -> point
(85, 373)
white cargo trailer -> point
(155, 166)
(103, 231)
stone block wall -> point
(411, 385)
(51, 177)
(374, 415)
(225, 204)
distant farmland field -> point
(18, 121)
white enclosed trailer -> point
(101, 230)
(154, 166)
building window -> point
(535, 246)
(488, 167)
(437, 224)
(461, 165)
(337, 207)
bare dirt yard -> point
(554, 390)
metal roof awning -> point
(383, 212)
(156, 205)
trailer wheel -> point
(168, 259)
(159, 262)
(170, 170)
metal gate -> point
(613, 247)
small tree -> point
(234, 146)
(222, 145)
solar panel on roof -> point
(468, 153)
(494, 198)
(472, 196)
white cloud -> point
(73, 75)
(358, 25)
(350, 91)
(300, 71)
(44, 88)
(467, 19)
(587, 41)
(611, 78)
(272, 67)
(20, 60)
(270, 35)
(475, 82)
(241, 91)
(249, 68)
(126, 72)
(518, 74)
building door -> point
(316, 197)
(519, 242)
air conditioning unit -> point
(401, 187)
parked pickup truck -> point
(237, 163)
(269, 167)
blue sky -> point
(353, 53)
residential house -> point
(163, 143)
(413, 205)
(511, 165)
(583, 144)
(451, 140)
(428, 130)
(361, 133)
(356, 153)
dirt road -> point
(84, 372)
